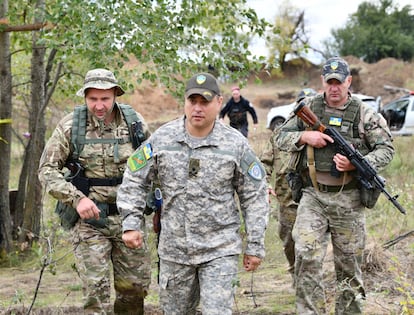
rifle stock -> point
(367, 175)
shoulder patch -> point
(251, 166)
(137, 160)
(255, 171)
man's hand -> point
(270, 192)
(250, 263)
(132, 239)
(87, 209)
(342, 163)
(315, 139)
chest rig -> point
(345, 121)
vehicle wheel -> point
(277, 122)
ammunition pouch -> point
(67, 214)
(107, 210)
(296, 184)
(369, 196)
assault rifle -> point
(367, 175)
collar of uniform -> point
(343, 107)
(212, 138)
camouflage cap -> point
(203, 84)
(307, 92)
(101, 79)
(335, 68)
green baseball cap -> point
(203, 84)
(335, 68)
(101, 79)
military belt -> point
(353, 184)
(105, 181)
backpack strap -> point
(136, 132)
(80, 116)
(78, 130)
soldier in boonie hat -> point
(101, 79)
(335, 68)
(203, 84)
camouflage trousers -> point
(99, 249)
(287, 218)
(341, 216)
(183, 287)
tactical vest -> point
(80, 117)
(345, 121)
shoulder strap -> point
(136, 132)
(78, 130)
(129, 114)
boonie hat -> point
(307, 92)
(335, 68)
(101, 79)
(203, 84)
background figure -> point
(94, 143)
(199, 164)
(277, 163)
(332, 205)
(236, 109)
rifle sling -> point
(311, 165)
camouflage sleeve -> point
(289, 136)
(267, 157)
(252, 192)
(54, 156)
(374, 129)
(136, 183)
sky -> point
(320, 17)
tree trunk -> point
(5, 135)
(32, 209)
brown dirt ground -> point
(270, 288)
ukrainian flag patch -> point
(137, 160)
(335, 121)
(147, 151)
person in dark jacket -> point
(236, 109)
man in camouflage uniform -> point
(333, 205)
(199, 164)
(276, 164)
(96, 236)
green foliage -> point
(172, 39)
(377, 31)
(287, 35)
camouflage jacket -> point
(276, 164)
(372, 127)
(98, 159)
(200, 220)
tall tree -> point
(376, 31)
(288, 35)
(5, 131)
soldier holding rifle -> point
(331, 202)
